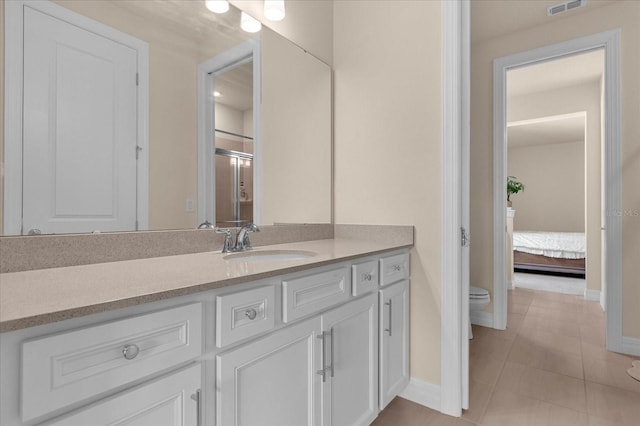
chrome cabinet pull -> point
(130, 351)
(323, 371)
(251, 314)
(397, 268)
(331, 351)
(197, 397)
(390, 316)
(367, 277)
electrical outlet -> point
(189, 204)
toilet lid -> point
(477, 292)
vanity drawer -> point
(244, 314)
(394, 268)
(313, 293)
(364, 277)
(66, 368)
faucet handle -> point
(226, 246)
(206, 225)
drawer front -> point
(313, 293)
(66, 368)
(364, 277)
(244, 314)
(172, 401)
(394, 268)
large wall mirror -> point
(276, 166)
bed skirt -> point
(534, 263)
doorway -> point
(611, 229)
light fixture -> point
(217, 6)
(274, 10)
(249, 23)
(216, 94)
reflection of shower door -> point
(234, 188)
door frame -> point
(13, 105)
(454, 283)
(612, 256)
(206, 127)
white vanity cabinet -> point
(272, 380)
(173, 400)
(350, 363)
(320, 371)
(324, 346)
(394, 329)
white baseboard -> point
(423, 393)
(482, 318)
(592, 295)
(631, 345)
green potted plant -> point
(513, 187)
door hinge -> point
(138, 149)
(464, 237)
(137, 79)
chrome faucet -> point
(242, 238)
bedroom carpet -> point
(566, 285)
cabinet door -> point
(170, 401)
(350, 391)
(273, 380)
(394, 341)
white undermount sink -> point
(269, 255)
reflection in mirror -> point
(295, 138)
(233, 139)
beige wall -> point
(624, 15)
(553, 174)
(387, 142)
(579, 98)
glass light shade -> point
(249, 23)
(274, 10)
(217, 6)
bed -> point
(555, 253)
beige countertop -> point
(44, 296)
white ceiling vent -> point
(563, 7)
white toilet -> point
(478, 299)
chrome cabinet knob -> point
(367, 277)
(397, 268)
(130, 351)
(251, 314)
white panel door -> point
(272, 381)
(79, 130)
(394, 341)
(173, 400)
(350, 391)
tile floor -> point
(549, 368)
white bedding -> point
(566, 245)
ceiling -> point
(495, 18)
(547, 130)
